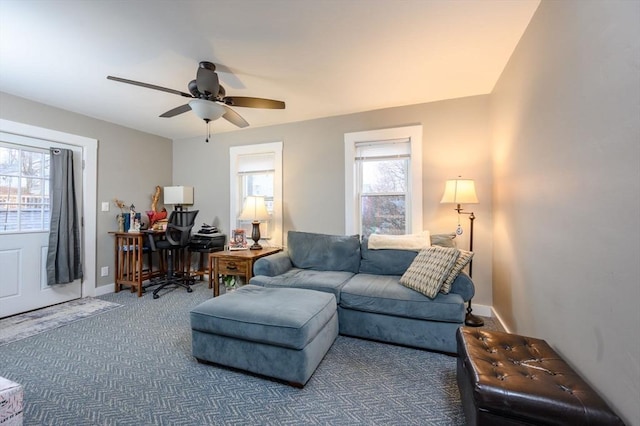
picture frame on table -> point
(238, 240)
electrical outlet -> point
(104, 271)
(105, 206)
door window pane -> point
(24, 189)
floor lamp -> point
(463, 191)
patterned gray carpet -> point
(133, 366)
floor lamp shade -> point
(255, 210)
(460, 191)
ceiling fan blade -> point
(149, 86)
(176, 111)
(207, 79)
(234, 118)
(244, 101)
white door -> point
(24, 224)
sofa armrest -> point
(276, 264)
(463, 285)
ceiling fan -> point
(208, 98)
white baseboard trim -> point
(499, 318)
(488, 311)
(482, 310)
(105, 289)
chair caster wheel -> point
(189, 290)
(155, 296)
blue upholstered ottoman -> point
(277, 332)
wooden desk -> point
(129, 265)
(235, 262)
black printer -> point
(208, 238)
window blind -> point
(385, 149)
(252, 163)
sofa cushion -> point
(323, 252)
(395, 262)
(384, 262)
(327, 281)
(463, 286)
(429, 270)
(273, 265)
(463, 259)
(385, 295)
(286, 317)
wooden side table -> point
(129, 266)
(234, 262)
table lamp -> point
(255, 210)
(178, 196)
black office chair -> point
(176, 239)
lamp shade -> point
(254, 209)
(460, 191)
(178, 195)
(207, 110)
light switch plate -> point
(105, 206)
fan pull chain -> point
(208, 130)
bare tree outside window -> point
(383, 200)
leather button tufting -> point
(512, 379)
(566, 389)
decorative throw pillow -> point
(443, 240)
(429, 269)
(463, 259)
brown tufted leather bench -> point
(506, 379)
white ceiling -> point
(322, 57)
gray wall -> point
(456, 140)
(566, 152)
(130, 164)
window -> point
(383, 170)
(257, 170)
(382, 182)
(24, 189)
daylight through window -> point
(383, 181)
(24, 189)
(256, 170)
(382, 176)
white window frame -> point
(414, 134)
(235, 207)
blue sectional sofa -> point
(372, 303)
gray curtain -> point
(63, 258)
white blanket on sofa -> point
(414, 242)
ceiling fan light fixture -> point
(206, 110)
